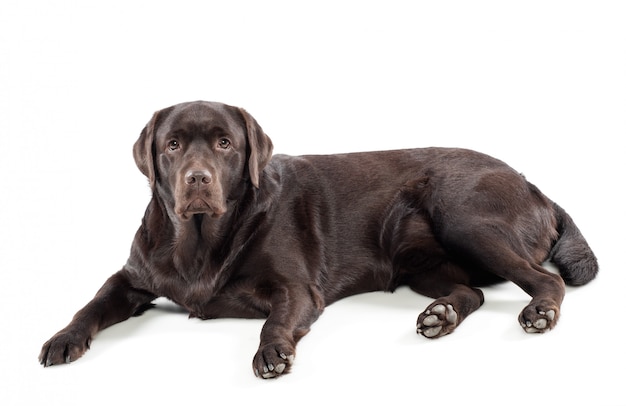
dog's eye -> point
(173, 145)
(224, 143)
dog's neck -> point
(203, 242)
(201, 234)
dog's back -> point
(372, 213)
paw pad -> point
(538, 321)
(437, 321)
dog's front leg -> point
(116, 301)
(293, 310)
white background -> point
(539, 84)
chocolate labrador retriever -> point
(233, 232)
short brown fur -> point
(233, 232)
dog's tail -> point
(571, 254)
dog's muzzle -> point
(199, 193)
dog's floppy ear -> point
(143, 150)
(259, 147)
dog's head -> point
(197, 154)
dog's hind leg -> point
(496, 252)
(420, 262)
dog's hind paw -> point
(438, 320)
(538, 319)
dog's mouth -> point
(200, 206)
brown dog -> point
(232, 232)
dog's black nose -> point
(195, 177)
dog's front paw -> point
(539, 318)
(64, 347)
(438, 320)
(273, 360)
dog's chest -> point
(190, 284)
(192, 294)
(216, 292)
